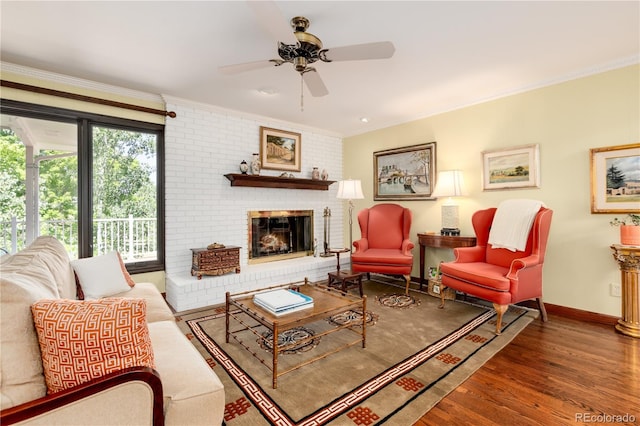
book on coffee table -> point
(283, 301)
(286, 311)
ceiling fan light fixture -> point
(300, 63)
(302, 49)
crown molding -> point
(173, 100)
(78, 82)
(586, 72)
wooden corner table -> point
(440, 241)
(344, 279)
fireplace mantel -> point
(238, 179)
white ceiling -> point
(448, 54)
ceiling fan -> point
(301, 48)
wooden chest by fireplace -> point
(215, 261)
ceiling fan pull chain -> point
(301, 93)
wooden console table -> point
(628, 258)
(440, 241)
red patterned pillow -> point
(81, 340)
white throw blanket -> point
(512, 223)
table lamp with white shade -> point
(350, 190)
(450, 184)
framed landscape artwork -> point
(615, 179)
(511, 168)
(405, 173)
(279, 150)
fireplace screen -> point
(280, 234)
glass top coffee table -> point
(241, 309)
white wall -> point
(566, 120)
(202, 145)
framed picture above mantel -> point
(280, 150)
(406, 173)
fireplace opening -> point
(280, 234)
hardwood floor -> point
(562, 372)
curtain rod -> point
(83, 98)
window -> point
(94, 182)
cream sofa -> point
(181, 390)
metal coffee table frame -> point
(327, 302)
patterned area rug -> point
(413, 358)
(290, 337)
(395, 300)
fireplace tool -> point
(327, 232)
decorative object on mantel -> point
(244, 167)
(327, 232)
(216, 259)
(255, 164)
(613, 188)
(350, 190)
(629, 229)
(315, 174)
(324, 175)
(290, 182)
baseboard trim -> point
(579, 314)
(573, 313)
(563, 311)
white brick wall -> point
(202, 145)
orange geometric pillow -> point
(81, 340)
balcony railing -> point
(134, 238)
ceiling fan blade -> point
(360, 52)
(314, 83)
(273, 21)
(247, 66)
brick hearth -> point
(185, 292)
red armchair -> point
(499, 275)
(385, 247)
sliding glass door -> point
(124, 192)
(96, 183)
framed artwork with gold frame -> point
(615, 179)
(406, 173)
(280, 150)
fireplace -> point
(280, 234)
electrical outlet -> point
(614, 289)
